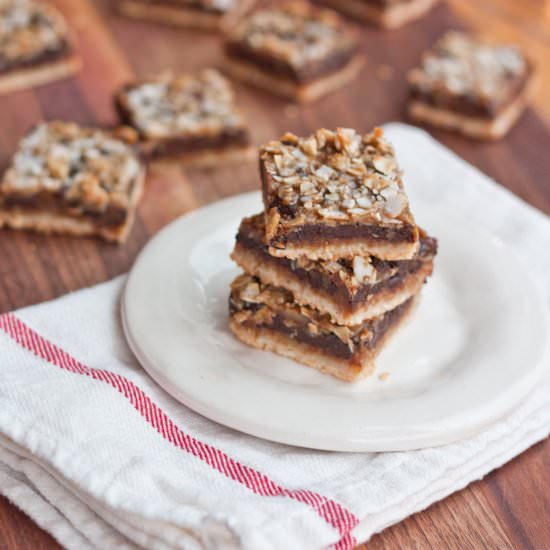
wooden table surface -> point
(510, 507)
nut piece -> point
(273, 218)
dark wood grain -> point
(510, 507)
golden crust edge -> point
(474, 127)
(381, 303)
(250, 74)
(40, 74)
(348, 248)
(269, 340)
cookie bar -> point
(267, 317)
(349, 290)
(198, 14)
(296, 50)
(68, 179)
(471, 86)
(387, 14)
(188, 117)
(335, 195)
(35, 48)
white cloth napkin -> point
(101, 457)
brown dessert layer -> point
(7, 66)
(294, 41)
(470, 107)
(298, 75)
(349, 283)
(253, 304)
(59, 205)
(469, 76)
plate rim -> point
(419, 439)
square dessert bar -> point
(68, 179)
(34, 46)
(469, 85)
(267, 317)
(387, 14)
(295, 50)
(335, 195)
(198, 14)
(349, 290)
(188, 117)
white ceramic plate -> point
(470, 353)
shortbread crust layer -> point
(266, 317)
(30, 76)
(473, 127)
(288, 89)
(350, 291)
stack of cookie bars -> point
(336, 262)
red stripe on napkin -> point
(333, 513)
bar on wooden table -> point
(35, 47)
(206, 15)
(267, 317)
(296, 50)
(336, 195)
(190, 117)
(387, 14)
(470, 85)
(74, 180)
(349, 290)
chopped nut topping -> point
(334, 176)
(187, 104)
(295, 33)
(464, 65)
(77, 165)
(28, 30)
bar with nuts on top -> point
(35, 47)
(295, 50)
(209, 15)
(68, 179)
(267, 317)
(335, 195)
(350, 290)
(387, 14)
(191, 117)
(470, 85)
